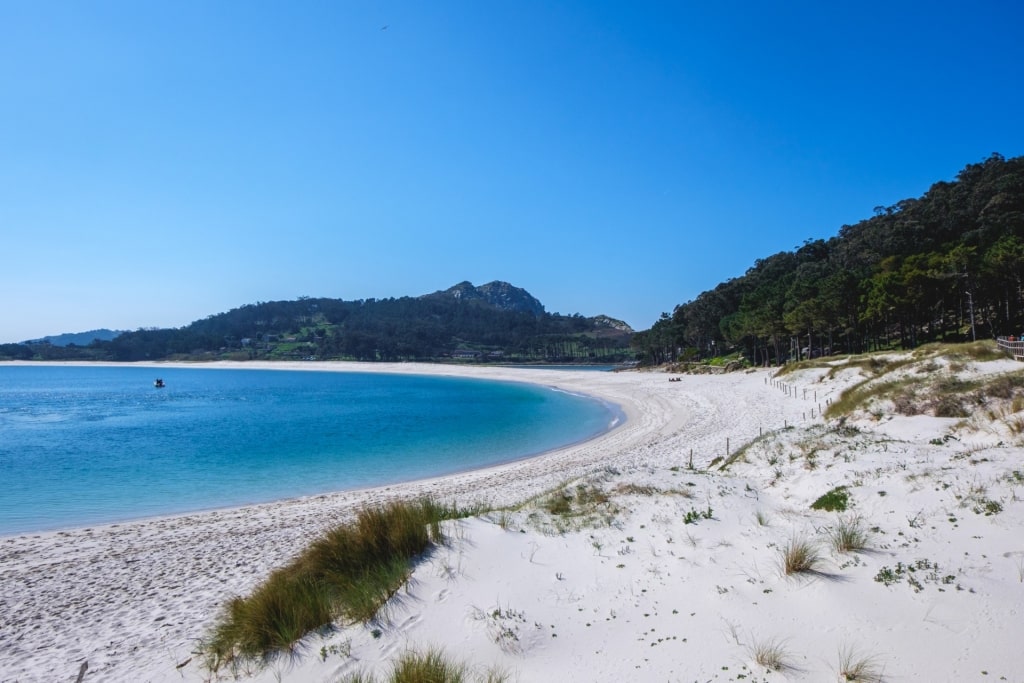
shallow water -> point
(87, 445)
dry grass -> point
(772, 654)
(859, 668)
(930, 384)
(800, 556)
(574, 507)
(1015, 425)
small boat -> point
(158, 383)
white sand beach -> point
(676, 577)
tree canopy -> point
(946, 266)
(433, 327)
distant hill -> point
(500, 295)
(77, 338)
(495, 322)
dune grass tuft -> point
(857, 667)
(771, 654)
(350, 572)
(800, 556)
(432, 666)
(848, 535)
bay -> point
(89, 445)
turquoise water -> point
(88, 445)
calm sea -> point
(87, 445)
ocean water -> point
(89, 445)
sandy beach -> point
(676, 578)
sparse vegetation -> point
(927, 382)
(350, 572)
(800, 556)
(503, 626)
(836, 500)
(988, 507)
(771, 654)
(848, 535)
(916, 575)
(647, 490)
(432, 666)
(854, 667)
(575, 507)
(693, 516)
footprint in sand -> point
(389, 647)
(410, 622)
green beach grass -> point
(348, 573)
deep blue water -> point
(88, 445)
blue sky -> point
(161, 162)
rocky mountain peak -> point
(500, 295)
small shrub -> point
(916, 575)
(906, 403)
(988, 507)
(559, 503)
(692, 517)
(949, 406)
(1006, 386)
(951, 384)
(590, 495)
(836, 500)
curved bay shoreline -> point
(94, 445)
(133, 599)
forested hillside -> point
(946, 266)
(493, 322)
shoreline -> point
(88, 582)
(182, 569)
(676, 577)
(618, 416)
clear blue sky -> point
(164, 161)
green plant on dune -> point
(431, 666)
(836, 500)
(848, 535)
(348, 573)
